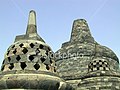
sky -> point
(55, 19)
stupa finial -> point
(31, 27)
(81, 32)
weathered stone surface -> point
(100, 83)
(83, 58)
(82, 63)
(31, 81)
(81, 32)
(31, 32)
(28, 63)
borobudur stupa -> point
(86, 64)
(28, 63)
(80, 64)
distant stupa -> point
(86, 64)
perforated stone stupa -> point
(28, 63)
(80, 64)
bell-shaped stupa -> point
(86, 64)
(29, 63)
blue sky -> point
(55, 19)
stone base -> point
(33, 81)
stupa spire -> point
(31, 32)
(29, 64)
(81, 32)
(31, 27)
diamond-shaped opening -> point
(100, 65)
(81, 55)
(25, 50)
(21, 45)
(94, 65)
(100, 60)
(11, 66)
(41, 46)
(104, 68)
(8, 52)
(106, 65)
(103, 63)
(18, 58)
(46, 53)
(89, 66)
(23, 65)
(31, 57)
(98, 68)
(42, 59)
(48, 49)
(55, 64)
(37, 51)
(52, 55)
(54, 69)
(32, 45)
(2, 68)
(13, 46)
(36, 66)
(15, 51)
(47, 67)
(9, 59)
(97, 63)
(91, 69)
(91, 63)
(51, 61)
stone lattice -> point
(80, 64)
(29, 63)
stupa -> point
(86, 64)
(29, 63)
(80, 64)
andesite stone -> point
(28, 65)
(80, 64)
(86, 64)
